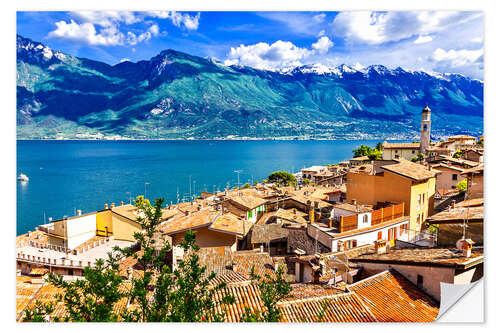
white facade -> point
(80, 229)
(370, 236)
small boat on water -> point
(22, 177)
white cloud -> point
(423, 39)
(277, 55)
(87, 33)
(381, 27)
(132, 39)
(178, 19)
(107, 18)
(319, 18)
(322, 45)
(124, 59)
(456, 58)
(265, 56)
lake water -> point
(70, 175)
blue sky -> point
(439, 41)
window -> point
(425, 127)
(396, 151)
(420, 281)
(354, 243)
(413, 152)
(379, 235)
(454, 177)
(365, 218)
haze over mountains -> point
(177, 95)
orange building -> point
(402, 181)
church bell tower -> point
(425, 130)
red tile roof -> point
(390, 297)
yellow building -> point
(119, 222)
(402, 181)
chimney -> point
(294, 211)
(465, 245)
(261, 248)
(121, 203)
(105, 206)
(316, 204)
(429, 167)
(186, 213)
(380, 246)
(276, 266)
(330, 223)
(453, 203)
(79, 212)
(112, 205)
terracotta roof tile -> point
(247, 201)
(424, 256)
(401, 145)
(390, 297)
(232, 224)
(194, 220)
(411, 170)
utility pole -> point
(238, 172)
(177, 194)
(190, 193)
(194, 188)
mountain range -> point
(178, 95)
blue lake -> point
(70, 175)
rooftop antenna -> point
(177, 194)
(238, 172)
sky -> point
(437, 41)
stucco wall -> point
(371, 236)
(444, 180)
(80, 229)
(432, 276)
(407, 154)
(208, 238)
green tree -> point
(379, 146)
(89, 299)
(372, 153)
(462, 185)
(282, 178)
(362, 151)
(480, 141)
(306, 181)
(187, 294)
(40, 313)
(375, 154)
(417, 158)
(458, 154)
(272, 290)
(192, 298)
(181, 296)
(246, 185)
